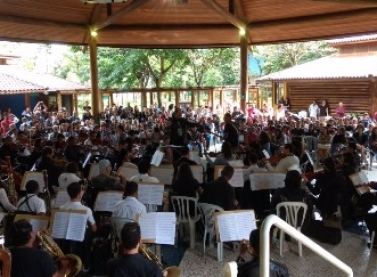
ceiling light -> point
(93, 33)
(242, 31)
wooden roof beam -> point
(234, 20)
(119, 14)
(93, 19)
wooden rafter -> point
(93, 19)
(119, 14)
(213, 5)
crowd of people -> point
(65, 145)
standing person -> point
(230, 132)
(323, 110)
(131, 263)
(178, 131)
(340, 111)
(313, 110)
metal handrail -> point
(281, 224)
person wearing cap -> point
(251, 268)
(86, 115)
(106, 182)
(220, 192)
(292, 192)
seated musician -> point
(123, 159)
(69, 176)
(46, 162)
(289, 161)
(251, 268)
(131, 263)
(220, 192)
(143, 176)
(28, 261)
(186, 184)
(130, 206)
(9, 149)
(92, 143)
(185, 158)
(73, 152)
(224, 157)
(106, 182)
(31, 203)
(5, 204)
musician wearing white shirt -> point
(130, 206)
(31, 203)
(143, 175)
(286, 163)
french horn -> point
(75, 263)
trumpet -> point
(172, 271)
(75, 263)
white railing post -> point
(281, 224)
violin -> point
(274, 160)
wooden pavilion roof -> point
(184, 23)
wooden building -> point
(348, 76)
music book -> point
(94, 171)
(234, 225)
(266, 180)
(158, 227)
(127, 172)
(33, 175)
(360, 181)
(62, 197)
(106, 200)
(68, 224)
(157, 157)
(151, 193)
(238, 178)
(38, 222)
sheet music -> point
(62, 197)
(38, 224)
(259, 181)
(148, 223)
(157, 158)
(76, 227)
(359, 178)
(127, 172)
(238, 178)
(60, 225)
(151, 194)
(245, 224)
(235, 226)
(33, 175)
(165, 233)
(106, 201)
(227, 224)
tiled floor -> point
(352, 250)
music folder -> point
(38, 222)
(360, 181)
(33, 175)
(68, 224)
(157, 227)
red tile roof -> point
(331, 67)
(16, 80)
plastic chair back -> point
(295, 213)
(185, 208)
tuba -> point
(172, 271)
(75, 263)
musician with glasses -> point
(28, 261)
(131, 263)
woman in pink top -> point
(5, 125)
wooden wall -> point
(358, 96)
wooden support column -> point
(221, 98)
(193, 99)
(177, 94)
(95, 95)
(27, 100)
(150, 99)
(243, 83)
(143, 99)
(211, 98)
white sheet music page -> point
(76, 227)
(155, 194)
(165, 233)
(148, 224)
(62, 197)
(143, 193)
(33, 175)
(227, 227)
(60, 225)
(245, 224)
(157, 158)
(359, 178)
(238, 178)
(38, 224)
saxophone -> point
(172, 271)
(11, 187)
(75, 263)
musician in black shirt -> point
(230, 131)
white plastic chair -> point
(292, 210)
(181, 206)
(207, 211)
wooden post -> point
(94, 78)
(221, 97)
(177, 94)
(211, 98)
(243, 58)
(193, 99)
(27, 100)
(143, 98)
(150, 98)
